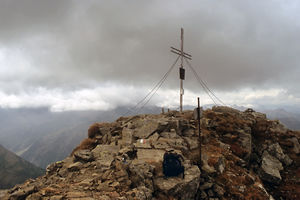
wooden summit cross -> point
(181, 69)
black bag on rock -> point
(172, 165)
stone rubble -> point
(244, 156)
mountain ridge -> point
(49, 137)
(15, 170)
(244, 156)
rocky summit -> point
(243, 156)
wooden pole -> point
(181, 66)
(182, 55)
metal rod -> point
(199, 131)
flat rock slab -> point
(150, 155)
(22, 193)
(276, 151)
(75, 166)
(174, 186)
(79, 195)
(148, 127)
(126, 136)
(83, 155)
(270, 168)
(104, 154)
(296, 144)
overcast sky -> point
(93, 54)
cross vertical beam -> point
(183, 55)
(181, 66)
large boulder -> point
(296, 145)
(142, 175)
(225, 109)
(127, 135)
(277, 127)
(276, 151)
(147, 127)
(174, 186)
(150, 155)
(104, 155)
(270, 168)
(245, 141)
(84, 155)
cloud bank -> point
(67, 47)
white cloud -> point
(62, 54)
(110, 96)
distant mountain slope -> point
(43, 137)
(289, 119)
(14, 170)
(288, 116)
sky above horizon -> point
(81, 55)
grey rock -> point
(192, 143)
(206, 186)
(218, 190)
(277, 127)
(205, 167)
(259, 115)
(270, 168)
(171, 134)
(189, 132)
(148, 127)
(104, 130)
(296, 144)
(287, 160)
(78, 195)
(161, 143)
(149, 155)
(224, 146)
(174, 186)
(141, 193)
(104, 197)
(276, 151)
(2, 193)
(104, 155)
(246, 143)
(36, 196)
(242, 188)
(54, 167)
(83, 155)
(225, 109)
(75, 166)
(22, 193)
(57, 197)
(203, 195)
(210, 193)
(220, 165)
(126, 136)
(153, 137)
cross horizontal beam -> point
(178, 53)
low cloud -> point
(67, 47)
(109, 97)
